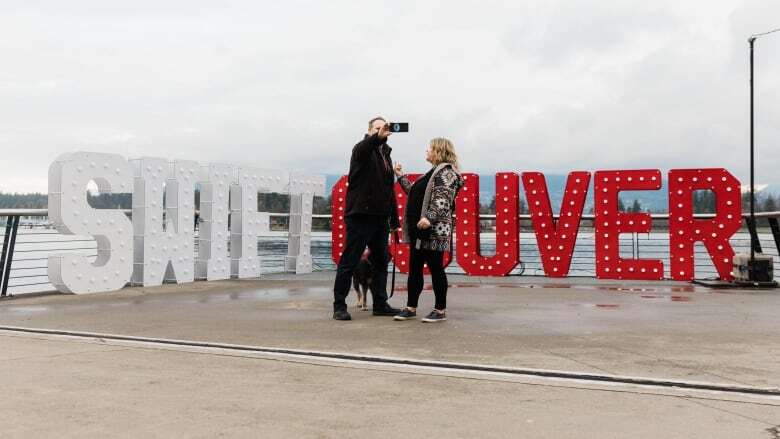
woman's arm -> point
(406, 185)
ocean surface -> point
(34, 245)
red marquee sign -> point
(556, 238)
(398, 251)
(684, 231)
(507, 255)
(610, 223)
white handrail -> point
(45, 212)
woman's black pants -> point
(435, 261)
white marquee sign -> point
(159, 244)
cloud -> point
(537, 85)
(586, 30)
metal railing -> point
(29, 238)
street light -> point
(753, 237)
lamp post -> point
(751, 42)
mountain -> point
(652, 200)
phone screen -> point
(399, 127)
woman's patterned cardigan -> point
(438, 206)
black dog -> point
(361, 277)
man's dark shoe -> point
(405, 314)
(341, 315)
(435, 317)
(385, 310)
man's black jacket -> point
(371, 180)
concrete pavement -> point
(72, 387)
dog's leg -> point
(360, 296)
(356, 286)
(365, 297)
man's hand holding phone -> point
(384, 132)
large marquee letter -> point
(213, 262)
(338, 228)
(246, 223)
(684, 231)
(71, 214)
(556, 239)
(507, 227)
(610, 223)
(303, 188)
(398, 251)
(164, 240)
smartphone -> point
(399, 127)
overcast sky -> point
(547, 85)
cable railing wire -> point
(272, 249)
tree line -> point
(273, 202)
(703, 202)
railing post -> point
(8, 224)
(754, 242)
(9, 252)
(775, 232)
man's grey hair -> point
(371, 122)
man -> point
(370, 213)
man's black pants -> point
(362, 231)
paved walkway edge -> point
(764, 393)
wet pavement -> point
(664, 330)
(667, 329)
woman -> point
(428, 225)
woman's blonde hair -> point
(443, 151)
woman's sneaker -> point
(434, 317)
(405, 314)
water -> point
(35, 244)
